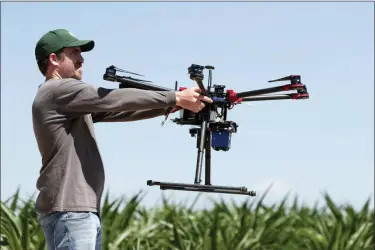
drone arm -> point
(256, 95)
(294, 96)
(264, 91)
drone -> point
(210, 126)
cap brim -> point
(85, 45)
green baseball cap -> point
(55, 40)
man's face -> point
(70, 65)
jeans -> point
(72, 230)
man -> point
(65, 107)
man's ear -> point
(53, 59)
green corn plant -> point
(252, 225)
(19, 225)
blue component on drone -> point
(221, 140)
(218, 99)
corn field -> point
(251, 225)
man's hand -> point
(191, 99)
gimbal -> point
(212, 129)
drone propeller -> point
(287, 78)
(124, 71)
(130, 82)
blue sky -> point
(308, 147)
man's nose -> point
(81, 59)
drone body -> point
(210, 126)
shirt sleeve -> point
(77, 97)
(127, 116)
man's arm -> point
(127, 116)
(77, 98)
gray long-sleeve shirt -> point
(72, 173)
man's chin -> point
(78, 76)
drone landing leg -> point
(207, 161)
(202, 143)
